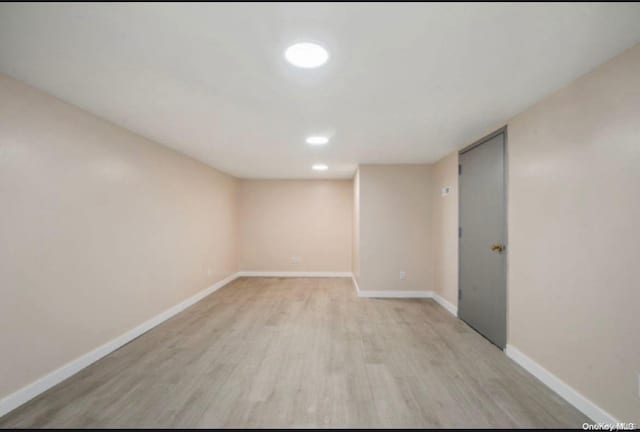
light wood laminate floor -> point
(302, 352)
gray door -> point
(482, 296)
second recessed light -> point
(317, 140)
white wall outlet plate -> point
(295, 260)
(445, 191)
(403, 275)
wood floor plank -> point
(302, 352)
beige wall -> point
(355, 243)
(574, 234)
(395, 227)
(281, 220)
(100, 230)
(445, 228)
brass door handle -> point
(497, 248)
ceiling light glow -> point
(320, 167)
(306, 55)
(317, 140)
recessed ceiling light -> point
(320, 167)
(306, 55)
(317, 140)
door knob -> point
(497, 248)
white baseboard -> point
(567, 392)
(355, 283)
(453, 309)
(395, 294)
(19, 397)
(292, 274)
(389, 294)
(406, 294)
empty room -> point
(320, 215)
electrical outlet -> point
(209, 271)
(403, 275)
(295, 260)
(445, 191)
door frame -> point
(505, 199)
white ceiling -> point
(406, 83)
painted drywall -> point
(295, 225)
(574, 234)
(573, 212)
(444, 227)
(355, 243)
(395, 227)
(100, 230)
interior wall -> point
(445, 228)
(100, 230)
(295, 225)
(395, 227)
(355, 243)
(573, 183)
(574, 234)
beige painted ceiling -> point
(406, 83)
